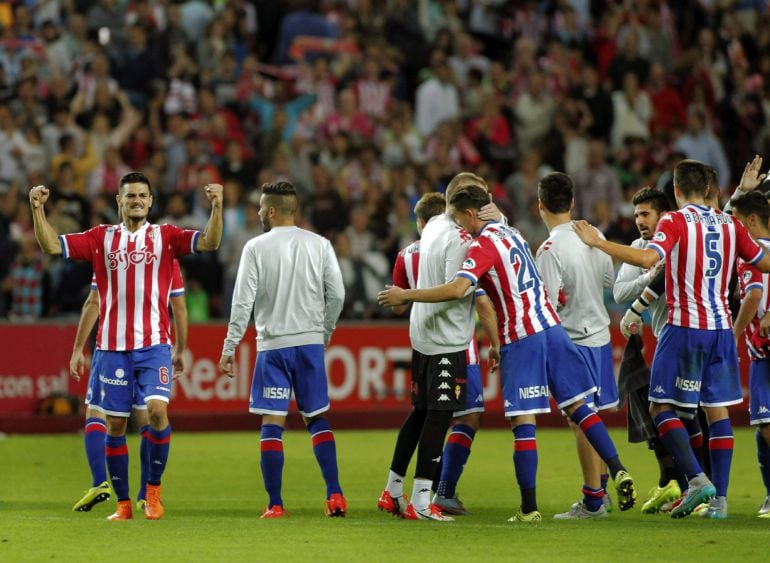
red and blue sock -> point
(604, 478)
(116, 454)
(525, 464)
(592, 498)
(677, 441)
(596, 433)
(721, 454)
(158, 447)
(692, 425)
(456, 452)
(144, 461)
(325, 450)
(271, 461)
(94, 438)
(763, 457)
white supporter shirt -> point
(438, 328)
(631, 282)
(290, 278)
(575, 276)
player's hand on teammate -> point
(178, 360)
(764, 325)
(214, 193)
(227, 365)
(751, 177)
(38, 196)
(631, 323)
(490, 212)
(77, 364)
(494, 358)
(391, 296)
(587, 232)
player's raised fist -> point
(38, 196)
(214, 193)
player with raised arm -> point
(466, 422)
(290, 280)
(133, 264)
(96, 425)
(696, 361)
(536, 356)
(753, 322)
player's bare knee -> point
(157, 413)
(657, 408)
(274, 419)
(569, 409)
(116, 425)
(715, 414)
(311, 419)
(472, 420)
(764, 431)
(140, 417)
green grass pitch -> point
(213, 497)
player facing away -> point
(574, 276)
(291, 281)
(96, 425)
(133, 264)
(753, 211)
(696, 361)
(440, 335)
(536, 356)
(457, 449)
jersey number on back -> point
(526, 273)
(713, 257)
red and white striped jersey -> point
(134, 273)
(405, 272)
(751, 278)
(177, 282)
(700, 246)
(499, 260)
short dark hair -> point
(464, 179)
(556, 191)
(430, 205)
(282, 196)
(752, 203)
(656, 198)
(469, 197)
(691, 177)
(133, 178)
(711, 174)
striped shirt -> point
(751, 278)
(500, 261)
(134, 274)
(700, 246)
(177, 282)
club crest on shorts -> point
(458, 391)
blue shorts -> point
(600, 364)
(474, 391)
(93, 383)
(120, 380)
(693, 367)
(533, 367)
(279, 372)
(759, 392)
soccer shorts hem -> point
(467, 411)
(110, 412)
(723, 403)
(267, 411)
(511, 414)
(149, 398)
(315, 412)
(576, 398)
(609, 406)
(142, 407)
(665, 401)
(759, 421)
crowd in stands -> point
(364, 105)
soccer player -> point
(696, 360)
(96, 425)
(536, 356)
(291, 281)
(650, 205)
(133, 264)
(753, 211)
(466, 422)
(440, 335)
(574, 276)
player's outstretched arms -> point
(227, 365)
(212, 235)
(642, 257)
(46, 237)
(392, 296)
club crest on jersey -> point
(469, 263)
(746, 277)
(659, 237)
(123, 258)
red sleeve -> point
(81, 246)
(181, 241)
(747, 248)
(399, 272)
(479, 259)
(177, 283)
(666, 234)
(749, 277)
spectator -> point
(27, 282)
(437, 99)
(701, 144)
(632, 110)
(596, 182)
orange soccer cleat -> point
(275, 511)
(336, 505)
(153, 509)
(123, 512)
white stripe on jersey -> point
(139, 303)
(158, 244)
(108, 299)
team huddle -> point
(544, 317)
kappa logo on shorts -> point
(763, 410)
(443, 397)
(480, 398)
(444, 373)
(658, 389)
(444, 362)
(507, 403)
(444, 385)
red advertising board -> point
(368, 367)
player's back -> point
(435, 328)
(575, 276)
(288, 265)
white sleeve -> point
(244, 296)
(334, 291)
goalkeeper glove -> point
(631, 323)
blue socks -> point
(144, 461)
(116, 453)
(677, 441)
(271, 462)
(94, 438)
(159, 443)
(325, 451)
(763, 457)
(592, 498)
(721, 454)
(596, 432)
(456, 452)
(525, 464)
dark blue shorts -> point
(759, 392)
(474, 391)
(600, 364)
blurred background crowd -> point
(364, 105)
